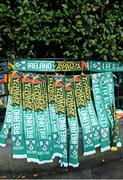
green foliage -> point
(61, 28)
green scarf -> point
(92, 114)
(17, 131)
(44, 153)
(72, 123)
(115, 127)
(61, 119)
(101, 113)
(7, 124)
(29, 119)
(87, 131)
(53, 117)
(43, 122)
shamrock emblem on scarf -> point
(104, 132)
(88, 138)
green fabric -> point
(17, 132)
(53, 117)
(92, 114)
(29, 120)
(105, 66)
(44, 154)
(105, 93)
(6, 124)
(34, 65)
(61, 119)
(42, 120)
(47, 120)
(40, 107)
(72, 123)
(87, 131)
(116, 141)
(101, 113)
(51, 65)
(18, 141)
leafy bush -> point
(61, 28)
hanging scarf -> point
(115, 127)
(17, 132)
(92, 114)
(101, 113)
(42, 120)
(53, 117)
(47, 114)
(72, 123)
(6, 124)
(61, 119)
(29, 119)
(87, 131)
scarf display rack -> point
(51, 103)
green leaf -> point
(64, 6)
(25, 2)
(67, 53)
(72, 28)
